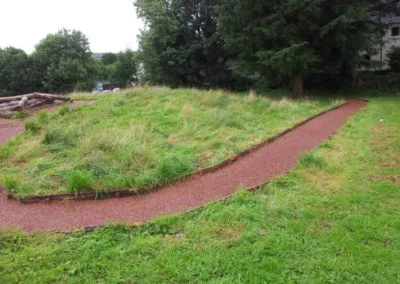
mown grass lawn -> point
(335, 218)
(142, 138)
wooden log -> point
(10, 108)
(51, 97)
(15, 98)
(35, 103)
(22, 103)
(9, 104)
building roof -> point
(390, 15)
(390, 19)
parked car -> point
(101, 87)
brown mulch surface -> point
(256, 168)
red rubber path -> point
(256, 168)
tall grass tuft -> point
(31, 127)
(173, 167)
(80, 181)
(312, 159)
(10, 182)
(64, 109)
(43, 117)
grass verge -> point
(140, 139)
(335, 218)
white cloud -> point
(110, 25)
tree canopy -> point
(276, 39)
(16, 72)
(65, 62)
(180, 45)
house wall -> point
(389, 41)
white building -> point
(390, 39)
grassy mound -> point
(140, 138)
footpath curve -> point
(251, 170)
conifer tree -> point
(279, 38)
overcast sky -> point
(110, 25)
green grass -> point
(19, 115)
(139, 139)
(80, 181)
(339, 223)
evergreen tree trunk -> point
(356, 79)
(297, 85)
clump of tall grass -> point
(173, 167)
(10, 182)
(31, 127)
(43, 117)
(80, 181)
(19, 115)
(312, 159)
(64, 109)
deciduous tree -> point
(65, 62)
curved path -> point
(251, 170)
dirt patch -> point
(379, 178)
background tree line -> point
(273, 43)
(62, 63)
(233, 44)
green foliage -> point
(65, 62)
(312, 159)
(43, 117)
(394, 59)
(123, 72)
(17, 72)
(31, 126)
(293, 38)
(109, 58)
(387, 81)
(181, 47)
(19, 115)
(58, 136)
(120, 69)
(10, 182)
(64, 109)
(61, 63)
(173, 167)
(80, 181)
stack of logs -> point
(9, 106)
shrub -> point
(394, 59)
(312, 159)
(31, 126)
(80, 181)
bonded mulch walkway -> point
(250, 171)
